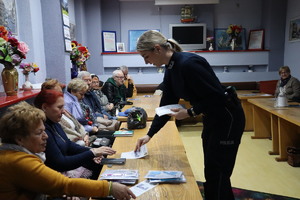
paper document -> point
(142, 187)
(166, 110)
(135, 155)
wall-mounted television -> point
(191, 37)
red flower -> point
(13, 42)
(82, 49)
(3, 33)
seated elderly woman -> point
(63, 154)
(107, 106)
(73, 129)
(22, 171)
(90, 99)
(82, 112)
(288, 84)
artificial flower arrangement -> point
(210, 39)
(79, 53)
(28, 68)
(11, 50)
(234, 30)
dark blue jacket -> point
(63, 154)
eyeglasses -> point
(283, 72)
(120, 77)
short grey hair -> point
(76, 85)
(124, 68)
(117, 72)
(82, 74)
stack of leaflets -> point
(123, 133)
(125, 176)
(165, 177)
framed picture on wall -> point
(223, 40)
(120, 47)
(8, 15)
(66, 24)
(256, 39)
(109, 41)
(294, 32)
(133, 38)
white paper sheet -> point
(166, 110)
(135, 155)
(142, 187)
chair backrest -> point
(268, 87)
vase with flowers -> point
(234, 32)
(78, 56)
(12, 52)
(27, 69)
(210, 41)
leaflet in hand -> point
(166, 110)
(134, 155)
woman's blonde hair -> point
(77, 85)
(149, 39)
(19, 120)
(284, 68)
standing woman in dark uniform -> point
(190, 77)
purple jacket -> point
(72, 105)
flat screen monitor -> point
(191, 37)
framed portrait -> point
(294, 32)
(8, 15)
(109, 41)
(256, 39)
(120, 47)
(223, 40)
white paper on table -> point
(166, 110)
(134, 155)
(142, 187)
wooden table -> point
(166, 152)
(148, 102)
(244, 95)
(282, 124)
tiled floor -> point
(255, 169)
